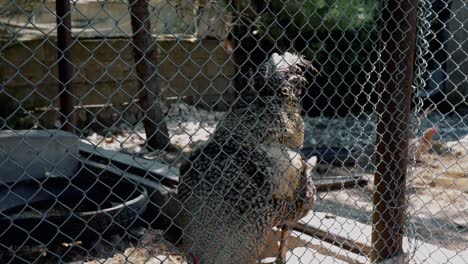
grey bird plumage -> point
(249, 176)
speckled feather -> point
(249, 176)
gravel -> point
(190, 126)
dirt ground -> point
(437, 198)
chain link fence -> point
(166, 131)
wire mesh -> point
(166, 131)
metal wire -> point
(231, 131)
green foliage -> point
(339, 36)
(346, 60)
(288, 18)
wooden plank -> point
(162, 173)
(306, 249)
(328, 249)
(337, 240)
(333, 183)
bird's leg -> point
(286, 231)
(194, 259)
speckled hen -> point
(249, 176)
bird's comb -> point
(432, 130)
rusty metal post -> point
(397, 37)
(145, 54)
(65, 66)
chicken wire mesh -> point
(151, 90)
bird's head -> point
(429, 133)
(282, 76)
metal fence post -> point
(396, 68)
(65, 66)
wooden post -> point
(397, 37)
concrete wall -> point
(105, 74)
